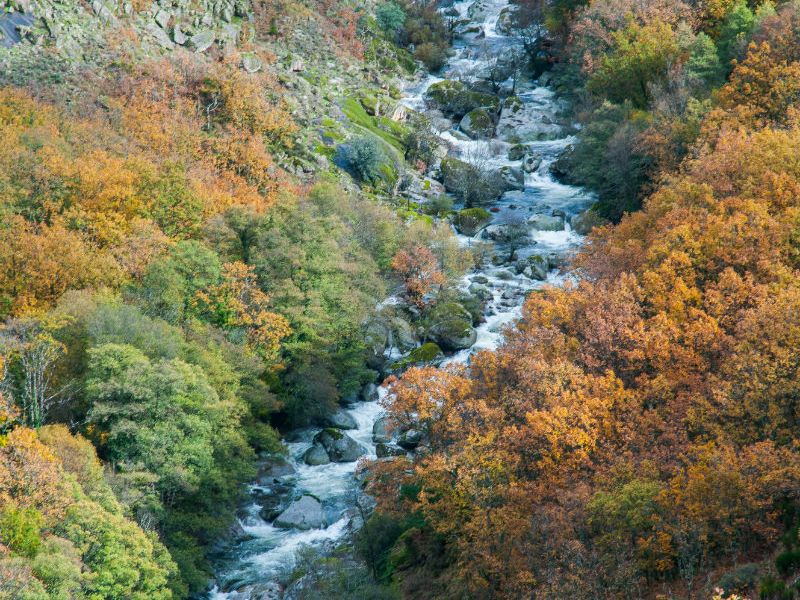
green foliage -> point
(788, 562)
(774, 589)
(376, 539)
(390, 17)
(734, 32)
(364, 156)
(19, 530)
(703, 64)
(639, 58)
(122, 561)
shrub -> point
(774, 589)
(788, 562)
(390, 17)
(433, 56)
(740, 579)
(19, 530)
(364, 156)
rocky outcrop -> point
(454, 98)
(470, 220)
(379, 431)
(339, 446)
(304, 513)
(274, 468)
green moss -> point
(333, 432)
(424, 354)
(359, 117)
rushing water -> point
(266, 553)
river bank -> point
(527, 138)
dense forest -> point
(203, 205)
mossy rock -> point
(371, 104)
(425, 354)
(478, 124)
(470, 220)
(513, 104)
(449, 324)
(456, 99)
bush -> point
(441, 205)
(774, 589)
(740, 579)
(390, 17)
(365, 157)
(19, 530)
(433, 56)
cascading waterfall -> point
(265, 553)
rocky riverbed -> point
(514, 131)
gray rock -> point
(305, 513)
(178, 36)
(162, 18)
(297, 65)
(537, 268)
(513, 178)
(379, 433)
(478, 124)
(251, 63)
(450, 326)
(316, 455)
(160, 36)
(409, 439)
(383, 450)
(202, 40)
(341, 420)
(369, 392)
(546, 223)
(273, 468)
(531, 163)
(339, 446)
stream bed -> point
(263, 554)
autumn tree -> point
(419, 271)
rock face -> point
(305, 513)
(316, 455)
(339, 446)
(341, 420)
(450, 326)
(202, 40)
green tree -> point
(390, 17)
(734, 33)
(641, 55)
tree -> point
(365, 156)
(420, 272)
(390, 18)
(640, 56)
(32, 355)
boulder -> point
(202, 40)
(339, 446)
(546, 223)
(505, 21)
(259, 591)
(513, 178)
(478, 124)
(409, 439)
(305, 513)
(455, 99)
(450, 325)
(428, 353)
(531, 163)
(584, 222)
(273, 468)
(470, 220)
(383, 450)
(316, 455)
(379, 432)
(341, 420)
(369, 392)
(251, 63)
(537, 267)
(518, 152)
(178, 36)
(526, 122)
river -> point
(264, 553)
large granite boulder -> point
(478, 124)
(455, 99)
(450, 325)
(584, 222)
(305, 513)
(341, 420)
(316, 456)
(339, 446)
